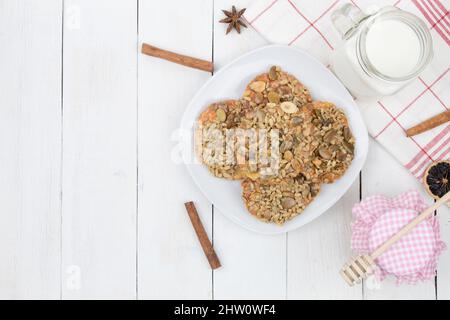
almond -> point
(220, 115)
(288, 107)
(258, 86)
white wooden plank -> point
(254, 266)
(382, 174)
(443, 272)
(99, 149)
(171, 263)
(317, 252)
(30, 149)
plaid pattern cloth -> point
(414, 257)
(306, 24)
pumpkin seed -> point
(314, 191)
(341, 156)
(325, 153)
(348, 147)
(285, 145)
(267, 214)
(330, 135)
(273, 73)
(287, 202)
(273, 97)
(347, 134)
(296, 121)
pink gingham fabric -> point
(414, 257)
(306, 24)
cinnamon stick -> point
(429, 124)
(177, 58)
(202, 236)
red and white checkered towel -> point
(414, 257)
(306, 24)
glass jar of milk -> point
(381, 52)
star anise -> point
(234, 19)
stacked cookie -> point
(278, 141)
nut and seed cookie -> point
(298, 145)
(225, 114)
(335, 151)
(274, 99)
(277, 100)
(229, 148)
(276, 86)
(296, 139)
(278, 200)
(211, 139)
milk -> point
(392, 48)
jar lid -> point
(414, 257)
(412, 252)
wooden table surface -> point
(91, 202)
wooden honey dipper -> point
(360, 267)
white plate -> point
(229, 83)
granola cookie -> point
(276, 86)
(278, 200)
(335, 151)
(211, 137)
(276, 101)
(278, 160)
(298, 146)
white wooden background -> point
(91, 205)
